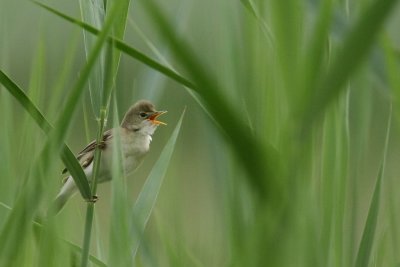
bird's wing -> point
(86, 156)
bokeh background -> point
(264, 58)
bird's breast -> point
(136, 144)
(134, 149)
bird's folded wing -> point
(86, 156)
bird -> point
(135, 131)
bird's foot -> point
(93, 199)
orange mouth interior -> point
(154, 116)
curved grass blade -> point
(126, 49)
(149, 193)
(248, 151)
(65, 117)
(28, 202)
(355, 48)
(94, 13)
(136, 54)
(258, 159)
(367, 240)
(107, 69)
(314, 56)
(67, 156)
(249, 5)
(120, 234)
(392, 67)
(73, 246)
(92, 258)
(117, 8)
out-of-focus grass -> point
(297, 78)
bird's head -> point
(142, 116)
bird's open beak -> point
(153, 116)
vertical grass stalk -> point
(107, 89)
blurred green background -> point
(308, 87)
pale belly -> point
(133, 150)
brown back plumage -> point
(86, 156)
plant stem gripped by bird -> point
(135, 134)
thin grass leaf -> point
(126, 49)
(259, 160)
(73, 246)
(67, 156)
(286, 19)
(149, 193)
(120, 240)
(92, 258)
(355, 48)
(24, 100)
(249, 5)
(65, 117)
(247, 149)
(93, 12)
(313, 58)
(28, 202)
(392, 68)
(136, 54)
(116, 9)
(111, 60)
(64, 73)
(161, 58)
(118, 31)
(367, 240)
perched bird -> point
(135, 131)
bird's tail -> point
(66, 192)
(58, 204)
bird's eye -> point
(143, 114)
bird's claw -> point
(93, 199)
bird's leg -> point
(93, 199)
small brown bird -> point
(137, 127)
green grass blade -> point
(249, 5)
(120, 240)
(73, 246)
(393, 68)
(161, 58)
(93, 12)
(96, 261)
(355, 48)
(247, 150)
(134, 53)
(364, 251)
(149, 193)
(105, 75)
(24, 100)
(76, 171)
(65, 117)
(67, 156)
(116, 9)
(29, 200)
(259, 160)
(119, 33)
(286, 17)
(315, 55)
(367, 240)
